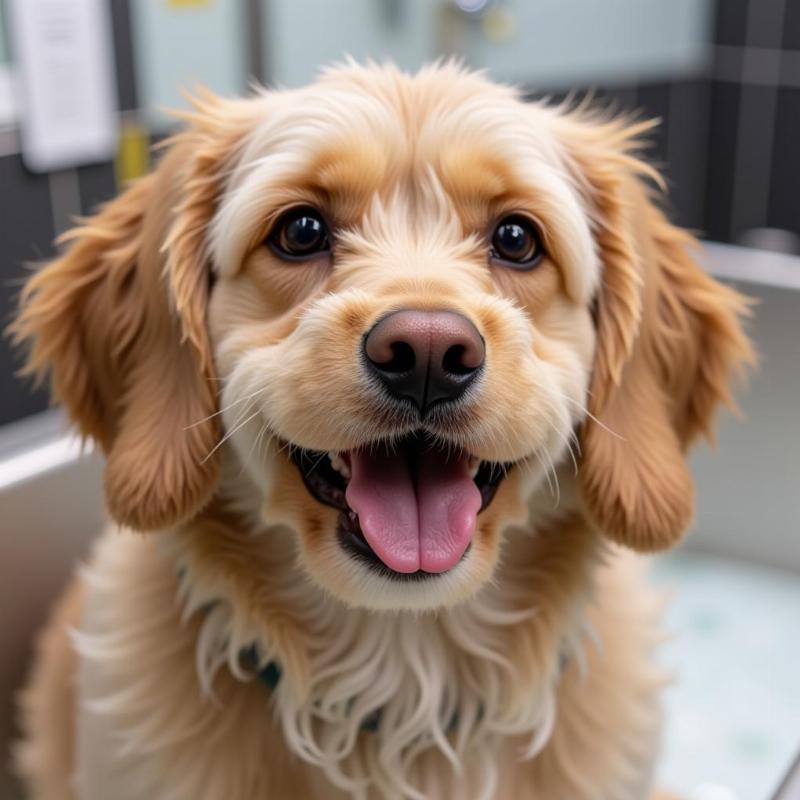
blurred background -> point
(84, 85)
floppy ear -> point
(119, 323)
(668, 339)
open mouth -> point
(408, 508)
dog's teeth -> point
(474, 466)
(339, 464)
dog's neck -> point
(450, 682)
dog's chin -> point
(357, 585)
(406, 528)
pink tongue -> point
(411, 524)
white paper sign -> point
(64, 63)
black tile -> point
(791, 26)
(19, 399)
(624, 98)
(687, 154)
(652, 101)
(97, 184)
(731, 22)
(784, 201)
(26, 233)
(752, 162)
(123, 54)
(723, 120)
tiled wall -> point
(730, 139)
(754, 159)
(729, 147)
(38, 207)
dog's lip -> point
(328, 486)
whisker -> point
(253, 447)
(588, 413)
(564, 439)
(546, 471)
(260, 439)
(227, 408)
(228, 435)
(555, 478)
(605, 427)
(317, 462)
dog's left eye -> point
(516, 242)
(300, 233)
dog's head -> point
(401, 301)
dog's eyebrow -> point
(472, 172)
(354, 168)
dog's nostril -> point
(403, 359)
(453, 361)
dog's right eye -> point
(299, 234)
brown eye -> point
(516, 243)
(299, 234)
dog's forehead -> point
(437, 138)
(398, 123)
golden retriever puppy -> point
(391, 369)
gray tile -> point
(765, 22)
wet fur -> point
(193, 355)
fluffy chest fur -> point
(457, 684)
(474, 702)
(453, 690)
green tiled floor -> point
(734, 711)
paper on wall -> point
(65, 73)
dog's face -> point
(402, 318)
(405, 288)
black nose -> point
(425, 356)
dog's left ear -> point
(668, 340)
(118, 323)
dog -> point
(394, 376)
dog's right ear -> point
(669, 341)
(118, 322)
